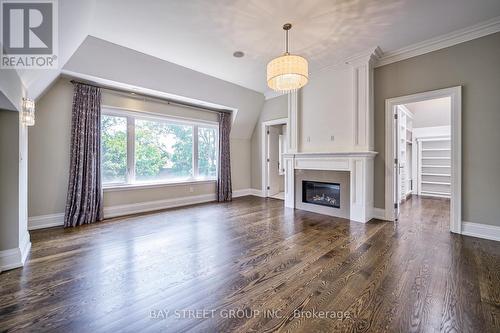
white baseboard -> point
(379, 213)
(57, 220)
(14, 258)
(45, 221)
(479, 230)
(142, 207)
(257, 192)
(242, 193)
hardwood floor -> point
(285, 270)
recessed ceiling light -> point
(238, 54)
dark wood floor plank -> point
(255, 255)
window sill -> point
(143, 186)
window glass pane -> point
(163, 151)
(114, 149)
(207, 152)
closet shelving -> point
(434, 166)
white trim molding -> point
(479, 230)
(460, 36)
(359, 165)
(264, 170)
(455, 93)
(257, 193)
(16, 257)
(57, 220)
(150, 206)
(45, 221)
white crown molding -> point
(370, 54)
(460, 36)
(479, 230)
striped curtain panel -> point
(84, 200)
(224, 187)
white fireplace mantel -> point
(358, 163)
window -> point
(141, 149)
(207, 152)
(114, 149)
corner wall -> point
(14, 236)
(274, 108)
(9, 175)
(475, 65)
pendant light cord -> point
(286, 42)
(286, 27)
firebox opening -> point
(321, 193)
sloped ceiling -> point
(112, 65)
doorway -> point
(423, 152)
(274, 143)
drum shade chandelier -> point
(287, 72)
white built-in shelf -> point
(436, 166)
(436, 183)
(435, 139)
(436, 149)
(444, 194)
(435, 158)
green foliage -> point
(114, 148)
(161, 150)
(207, 152)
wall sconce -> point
(28, 112)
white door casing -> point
(264, 149)
(455, 94)
(273, 160)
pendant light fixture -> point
(288, 72)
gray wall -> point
(9, 180)
(49, 143)
(475, 65)
(274, 108)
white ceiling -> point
(433, 112)
(202, 35)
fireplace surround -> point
(358, 187)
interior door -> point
(397, 164)
(273, 160)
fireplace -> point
(321, 193)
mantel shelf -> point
(347, 154)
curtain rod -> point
(160, 99)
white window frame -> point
(131, 116)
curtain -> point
(224, 188)
(84, 198)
